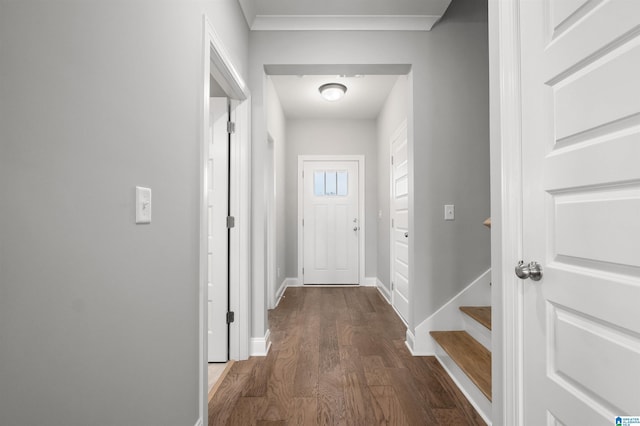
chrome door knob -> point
(533, 270)
(355, 228)
(406, 234)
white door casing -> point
(581, 210)
(218, 234)
(217, 63)
(399, 212)
(332, 238)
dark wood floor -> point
(338, 358)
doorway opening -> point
(307, 127)
(224, 252)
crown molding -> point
(344, 22)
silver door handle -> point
(356, 228)
(406, 234)
(533, 270)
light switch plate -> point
(143, 205)
(449, 212)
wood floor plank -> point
(247, 410)
(224, 401)
(304, 412)
(259, 376)
(305, 383)
(414, 408)
(331, 409)
(387, 408)
(338, 357)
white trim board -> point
(259, 346)
(344, 22)
(449, 317)
(361, 205)
(217, 62)
(384, 291)
(506, 212)
(369, 282)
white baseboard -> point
(259, 346)
(449, 317)
(410, 342)
(292, 282)
(369, 282)
(384, 291)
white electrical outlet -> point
(143, 205)
(449, 212)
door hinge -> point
(231, 317)
(392, 160)
(302, 271)
(302, 222)
(231, 222)
(231, 127)
(303, 174)
(392, 285)
(392, 223)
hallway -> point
(338, 358)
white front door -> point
(331, 223)
(400, 222)
(218, 234)
(581, 220)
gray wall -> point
(331, 137)
(98, 316)
(448, 132)
(276, 125)
(393, 113)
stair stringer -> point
(449, 317)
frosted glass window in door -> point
(342, 183)
(330, 182)
(318, 183)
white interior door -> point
(581, 177)
(218, 244)
(331, 223)
(400, 223)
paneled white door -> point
(218, 233)
(331, 223)
(581, 220)
(400, 223)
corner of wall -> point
(384, 291)
(448, 316)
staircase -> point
(466, 355)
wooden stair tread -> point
(482, 314)
(472, 358)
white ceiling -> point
(364, 99)
(343, 15)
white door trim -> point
(361, 210)
(271, 223)
(217, 62)
(506, 212)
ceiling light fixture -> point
(332, 91)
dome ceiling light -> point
(332, 91)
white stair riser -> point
(478, 331)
